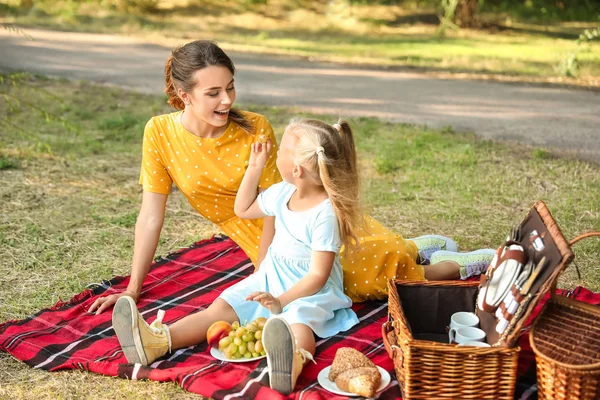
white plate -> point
(218, 354)
(324, 381)
(504, 275)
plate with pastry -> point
(353, 374)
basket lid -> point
(568, 332)
(537, 227)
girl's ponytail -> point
(329, 153)
(170, 89)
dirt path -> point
(549, 117)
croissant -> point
(353, 372)
(363, 381)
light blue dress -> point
(297, 234)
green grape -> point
(260, 322)
(263, 353)
(247, 354)
(255, 354)
(251, 327)
(242, 348)
(232, 348)
(237, 341)
(258, 335)
(227, 353)
(258, 346)
(237, 355)
(225, 342)
(232, 334)
(239, 332)
(235, 325)
(250, 346)
(248, 336)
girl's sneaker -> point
(471, 264)
(284, 359)
(141, 343)
(429, 244)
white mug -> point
(463, 319)
(476, 344)
(466, 335)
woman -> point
(204, 149)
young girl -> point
(299, 284)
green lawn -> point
(381, 35)
(69, 198)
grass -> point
(389, 36)
(70, 198)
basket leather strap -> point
(394, 351)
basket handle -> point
(571, 243)
(583, 236)
(393, 350)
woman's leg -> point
(192, 329)
(442, 271)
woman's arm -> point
(321, 263)
(147, 232)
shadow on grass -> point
(409, 19)
(494, 28)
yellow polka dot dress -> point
(208, 171)
(382, 255)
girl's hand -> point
(260, 154)
(267, 300)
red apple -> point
(217, 331)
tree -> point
(465, 14)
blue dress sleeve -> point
(326, 233)
(269, 198)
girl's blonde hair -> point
(329, 153)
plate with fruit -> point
(235, 342)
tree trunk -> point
(466, 13)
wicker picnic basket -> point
(426, 365)
(566, 341)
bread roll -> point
(347, 358)
(363, 381)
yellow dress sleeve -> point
(270, 174)
(153, 175)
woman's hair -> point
(189, 58)
(329, 153)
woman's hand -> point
(260, 154)
(102, 303)
(267, 300)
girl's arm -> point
(321, 263)
(246, 205)
(147, 232)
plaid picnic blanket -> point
(65, 336)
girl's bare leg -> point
(192, 329)
(305, 337)
(442, 271)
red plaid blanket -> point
(67, 337)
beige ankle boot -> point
(141, 343)
(284, 359)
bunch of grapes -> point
(244, 341)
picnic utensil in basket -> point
(426, 365)
(566, 341)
